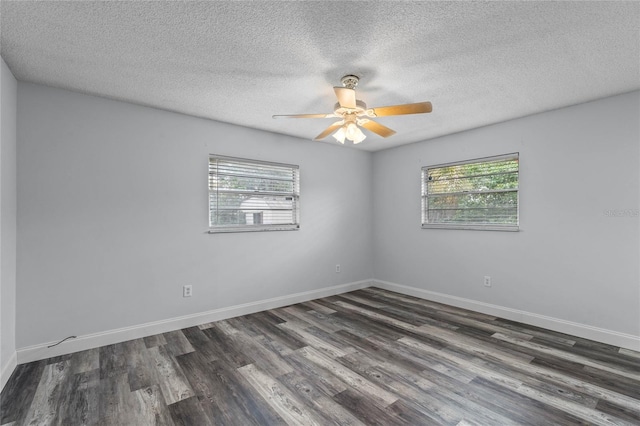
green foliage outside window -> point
(482, 192)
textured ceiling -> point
(241, 62)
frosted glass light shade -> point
(351, 132)
(339, 135)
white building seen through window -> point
(252, 195)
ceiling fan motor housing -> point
(341, 111)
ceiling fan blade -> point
(326, 132)
(346, 97)
(305, 116)
(377, 128)
(418, 108)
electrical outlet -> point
(487, 281)
(187, 290)
(338, 268)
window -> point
(476, 194)
(251, 195)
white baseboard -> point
(610, 337)
(7, 370)
(89, 341)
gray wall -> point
(113, 217)
(570, 261)
(8, 87)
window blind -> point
(474, 194)
(252, 195)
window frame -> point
(475, 226)
(295, 194)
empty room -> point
(314, 213)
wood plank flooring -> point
(368, 357)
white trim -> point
(609, 337)
(508, 228)
(7, 370)
(95, 340)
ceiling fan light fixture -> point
(353, 133)
(359, 137)
(339, 135)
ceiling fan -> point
(353, 112)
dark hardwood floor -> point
(367, 357)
